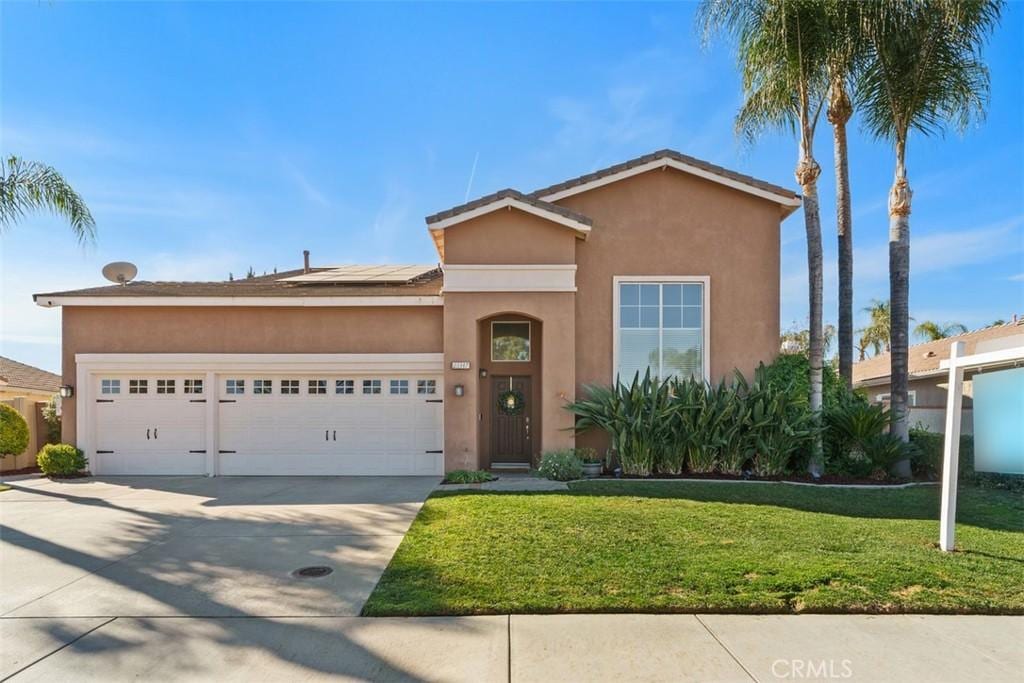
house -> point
(663, 261)
(27, 389)
(927, 384)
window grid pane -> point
(290, 386)
(192, 386)
(344, 386)
(318, 387)
(661, 328)
(426, 386)
(371, 386)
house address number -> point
(460, 365)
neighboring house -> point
(26, 389)
(927, 385)
(664, 261)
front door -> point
(511, 407)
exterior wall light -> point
(67, 391)
(483, 372)
(460, 390)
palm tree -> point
(847, 44)
(782, 47)
(924, 69)
(27, 186)
(877, 333)
(933, 331)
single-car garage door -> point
(150, 424)
(367, 424)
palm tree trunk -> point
(899, 298)
(839, 112)
(807, 172)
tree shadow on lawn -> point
(985, 508)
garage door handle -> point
(199, 451)
(104, 400)
(154, 433)
(104, 451)
(435, 400)
(334, 435)
(197, 400)
(147, 435)
(327, 435)
(433, 451)
(227, 451)
(227, 400)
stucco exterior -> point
(140, 329)
(550, 259)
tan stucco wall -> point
(462, 312)
(670, 223)
(509, 237)
(130, 329)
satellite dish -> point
(120, 272)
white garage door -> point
(150, 424)
(367, 424)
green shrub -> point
(562, 465)
(636, 417)
(13, 431)
(587, 455)
(853, 426)
(61, 460)
(779, 426)
(791, 372)
(468, 477)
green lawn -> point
(706, 547)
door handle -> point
(147, 435)
(327, 433)
(154, 433)
(334, 435)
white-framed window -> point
(234, 386)
(318, 387)
(289, 386)
(399, 386)
(344, 386)
(110, 386)
(165, 386)
(192, 386)
(426, 386)
(263, 386)
(911, 398)
(138, 386)
(661, 323)
(371, 386)
(510, 341)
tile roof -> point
(509, 193)
(664, 154)
(924, 358)
(428, 284)
(23, 376)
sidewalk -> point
(609, 647)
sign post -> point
(951, 449)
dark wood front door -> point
(510, 433)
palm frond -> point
(29, 186)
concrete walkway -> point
(622, 647)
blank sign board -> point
(999, 421)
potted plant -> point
(592, 465)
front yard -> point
(706, 547)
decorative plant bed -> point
(824, 480)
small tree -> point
(13, 432)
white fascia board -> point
(679, 166)
(92, 363)
(510, 278)
(278, 301)
(582, 229)
(988, 358)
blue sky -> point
(208, 138)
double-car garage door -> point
(267, 423)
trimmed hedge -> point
(61, 460)
(13, 431)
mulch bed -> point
(797, 478)
(22, 470)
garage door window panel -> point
(138, 386)
(192, 386)
(426, 386)
(262, 386)
(234, 387)
(371, 386)
(399, 386)
(110, 386)
(165, 386)
(344, 386)
(318, 387)
(290, 386)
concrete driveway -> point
(76, 554)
